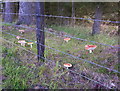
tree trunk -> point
(73, 14)
(60, 10)
(98, 16)
(2, 9)
(9, 8)
(40, 26)
(26, 8)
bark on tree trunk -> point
(60, 13)
(26, 8)
(98, 16)
(2, 10)
(9, 8)
(73, 14)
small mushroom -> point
(90, 47)
(39, 87)
(22, 42)
(66, 39)
(21, 31)
(18, 37)
(113, 85)
(30, 43)
(67, 65)
(50, 29)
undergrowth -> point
(74, 47)
(16, 75)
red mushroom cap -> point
(68, 65)
(66, 38)
(18, 37)
(21, 30)
(30, 43)
(90, 47)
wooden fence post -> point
(40, 30)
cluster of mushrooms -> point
(23, 42)
(67, 65)
(90, 48)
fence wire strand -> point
(64, 35)
(59, 65)
(68, 54)
(64, 17)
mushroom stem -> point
(31, 46)
(90, 51)
(22, 32)
(23, 44)
(66, 40)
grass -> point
(85, 33)
(13, 72)
(74, 47)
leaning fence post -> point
(40, 30)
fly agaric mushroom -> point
(90, 47)
(39, 87)
(66, 39)
(18, 37)
(21, 31)
(67, 65)
(22, 42)
(30, 43)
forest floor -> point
(21, 69)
